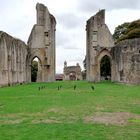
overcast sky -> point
(17, 18)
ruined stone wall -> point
(42, 43)
(13, 58)
(126, 61)
(72, 72)
(98, 39)
(16, 57)
(124, 57)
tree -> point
(105, 67)
(120, 31)
(84, 63)
(84, 71)
(34, 70)
(127, 31)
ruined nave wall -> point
(126, 62)
(13, 57)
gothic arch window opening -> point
(35, 67)
(105, 68)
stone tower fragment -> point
(42, 44)
(16, 57)
(99, 39)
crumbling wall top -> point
(99, 18)
(40, 7)
(41, 13)
(13, 39)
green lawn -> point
(109, 112)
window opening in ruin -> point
(121, 75)
(35, 66)
(46, 34)
(139, 51)
(105, 68)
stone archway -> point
(104, 74)
(40, 69)
(36, 70)
(72, 76)
(105, 68)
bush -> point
(127, 31)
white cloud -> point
(90, 5)
(117, 17)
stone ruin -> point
(41, 44)
(13, 60)
(126, 62)
(16, 57)
(72, 72)
(124, 57)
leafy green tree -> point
(105, 66)
(84, 63)
(120, 31)
(84, 71)
(127, 31)
(34, 70)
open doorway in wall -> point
(72, 76)
(105, 68)
(35, 69)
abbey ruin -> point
(124, 57)
(16, 57)
(72, 72)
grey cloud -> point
(71, 48)
(77, 59)
(94, 5)
(61, 38)
(69, 20)
(67, 39)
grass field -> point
(109, 112)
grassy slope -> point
(29, 114)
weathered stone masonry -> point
(124, 57)
(42, 44)
(72, 72)
(99, 42)
(16, 56)
(126, 61)
(13, 59)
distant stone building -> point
(16, 57)
(123, 59)
(72, 72)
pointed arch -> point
(104, 54)
(105, 68)
(36, 69)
